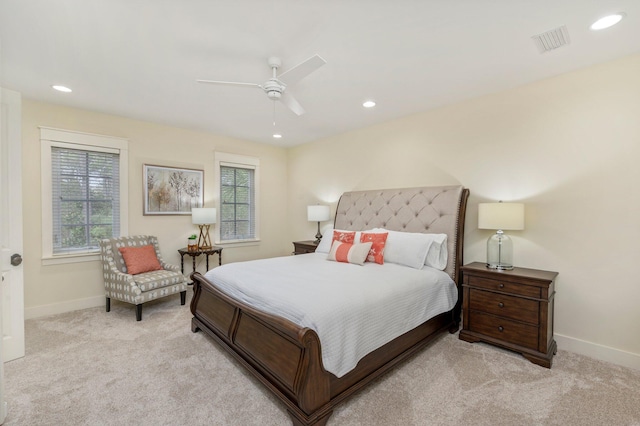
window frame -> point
(242, 162)
(49, 138)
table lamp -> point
(318, 214)
(203, 217)
(500, 216)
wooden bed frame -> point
(287, 358)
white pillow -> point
(415, 249)
(437, 255)
(325, 243)
(405, 248)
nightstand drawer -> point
(506, 306)
(304, 250)
(504, 329)
(504, 286)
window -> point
(238, 189)
(84, 193)
(237, 215)
(86, 199)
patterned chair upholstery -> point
(140, 288)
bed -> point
(288, 358)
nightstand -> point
(512, 309)
(303, 247)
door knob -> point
(16, 259)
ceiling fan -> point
(275, 87)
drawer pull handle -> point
(501, 285)
(500, 305)
(500, 329)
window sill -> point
(238, 243)
(70, 258)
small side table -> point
(303, 247)
(196, 253)
(512, 309)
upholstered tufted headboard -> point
(431, 209)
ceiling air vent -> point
(552, 39)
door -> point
(11, 288)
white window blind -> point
(237, 201)
(85, 198)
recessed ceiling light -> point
(607, 21)
(368, 104)
(277, 135)
(62, 88)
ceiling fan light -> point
(607, 21)
(274, 87)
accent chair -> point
(140, 287)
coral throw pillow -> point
(349, 253)
(344, 236)
(378, 240)
(140, 259)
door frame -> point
(11, 228)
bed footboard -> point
(283, 356)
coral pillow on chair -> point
(140, 259)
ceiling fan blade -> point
(302, 70)
(292, 103)
(229, 83)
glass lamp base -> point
(500, 267)
(499, 252)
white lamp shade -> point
(318, 213)
(203, 216)
(504, 216)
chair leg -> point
(183, 297)
(108, 304)
(139, 312)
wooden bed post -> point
(462, 212)
(312, 384)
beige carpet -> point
(95, 368)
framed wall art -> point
(171, 190)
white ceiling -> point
(140, 58)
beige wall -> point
(568, 147)
(57, 288)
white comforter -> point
(354, 309)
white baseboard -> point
(60, 308)
(594, 350)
